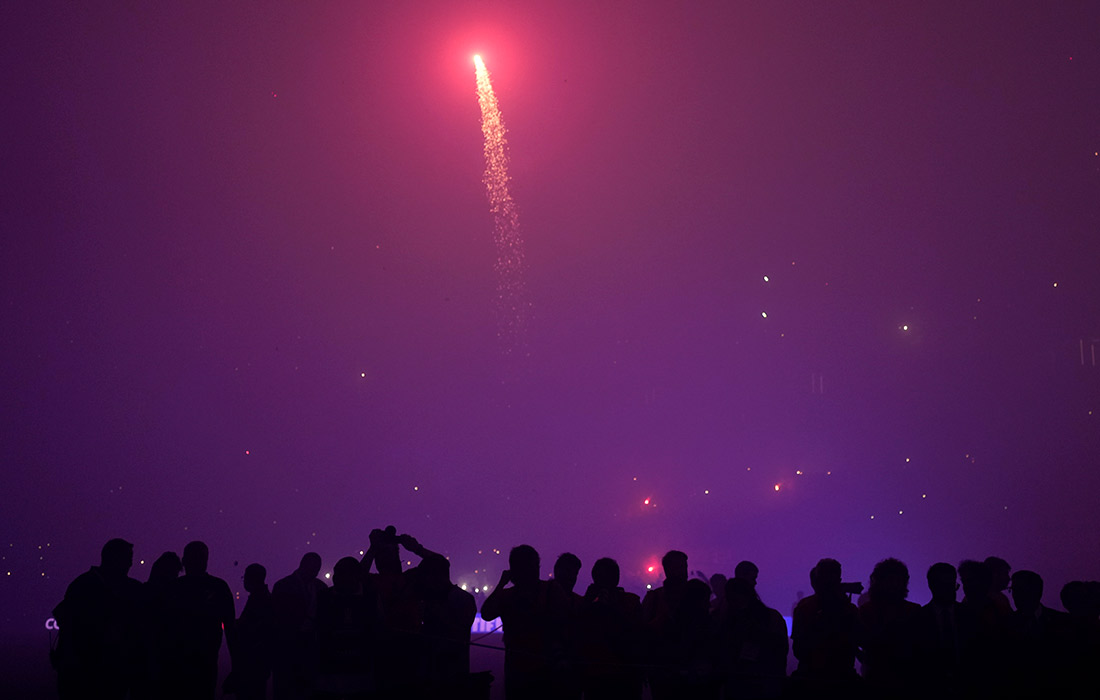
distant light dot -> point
(766, 278)
(416, 488)
(900, 512)
(477, 590)
(1055, 284)
(924, 495)
(764, 314)
(706, 493)
(328, 575)
(645, 502)
(872, 517)
(799, 472)
(905, 327)
(777, 487)
(907, 460)
(649, 586)
(142, 561)
(361, 552)
(464, 586)
(248, 452)
(650, 569)
(363, 374)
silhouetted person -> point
(889, 624)
(608, 637)
(1000, 576)
(256, 633)
(96, 653)
(448, 613)
(400, 647)
(159, 646)
(297, 652)
(204, 608)
(566, 569)
(983, 630)
(695, 655)
(939, 644)
(1081, 600)
(754, 645)
(1039, 640)
(348, 626)
(659, 610)
(717, 584)
(532, 611)
(826, 634)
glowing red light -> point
(247, 452)
(645, 502)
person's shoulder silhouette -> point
(98, 618)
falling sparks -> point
(512, 304)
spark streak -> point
(511, 297)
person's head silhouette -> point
(523, 562)
(254, 576)
(675, 564)
(196, 556)
(566, 569)
(116, 557)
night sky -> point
(816, 279)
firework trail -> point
(511, 297)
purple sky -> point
(217, 217)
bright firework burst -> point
(509, 264)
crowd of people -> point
(381, 631)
